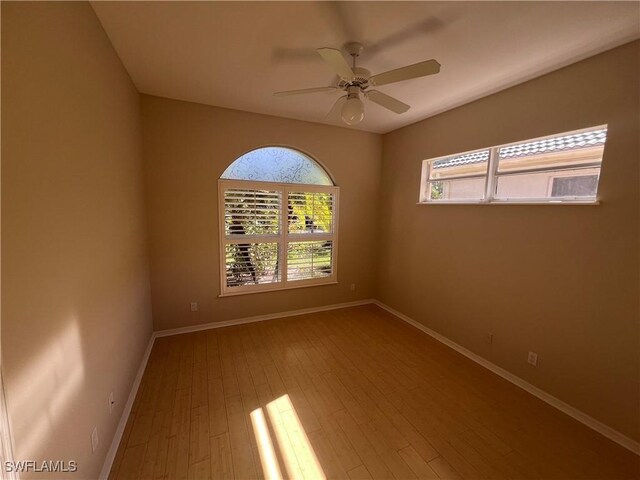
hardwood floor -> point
(351, 394)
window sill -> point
(277, 289)
(511, 202)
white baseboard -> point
(573, 412)
(260, 318)
(117, 436)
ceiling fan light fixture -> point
(353, 109)
(356, 80)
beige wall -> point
(76, 312)
(558, 280)
(186, 148)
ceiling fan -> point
(357, 81)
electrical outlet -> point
(488, 338)
(353, 287)
(111, 403)
(194, 306)
(533, 359)
(94, 439)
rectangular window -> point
(456, 178)
(554, 169)
(275, 236)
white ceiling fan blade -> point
(336, 111)
(416, 70)
(305, 90)
(337, 62)
(387, 102)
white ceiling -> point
(236, 54)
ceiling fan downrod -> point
(354, 49)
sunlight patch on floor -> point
(268, 457)
(292, 442)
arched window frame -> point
(289, 241)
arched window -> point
(277, 164)
(278, 222)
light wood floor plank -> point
(179, 441)
(131, 463)
(417, 464)
(444, 469)
(221, 458)
(241, 450)
(359, 473)
(200, 471)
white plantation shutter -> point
(310, 212)
(251, 263)
(307, 260)
(276, 236)
(311, 225)
(252, 212)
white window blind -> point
(275, 236)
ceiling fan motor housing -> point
(361, 75)
(361, 78)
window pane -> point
(277, 164)
(462, 189)
(251, 264)
(468, 164)
(539, 185)
(307, 260)
(310, 213)
(563, 151)
(579, 186)
(252, 212)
